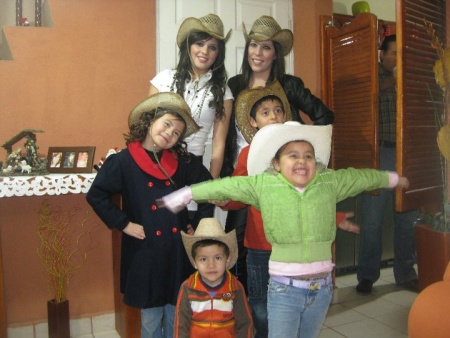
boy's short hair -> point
(269, 97)
(208, 242)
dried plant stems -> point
(62, 249)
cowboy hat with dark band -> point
(210, 24)
(210, 228)
(266, 28)
(168, 101)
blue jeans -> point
(257, 282)
(157, 322)
(295, 312)
(373, 210)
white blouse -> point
(197, 95)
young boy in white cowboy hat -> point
(212, 302)
(297, 198)
(155, 161)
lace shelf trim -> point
(53, 184)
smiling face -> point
(211, 262)
(260, 55)
(164, 132)
(203, 54)
(296, 162)
(268, 111)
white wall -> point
(383, 9)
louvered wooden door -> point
(353, 95)
(418, 158)
(351, 91)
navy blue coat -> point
(152, 269)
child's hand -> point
(190, 229)
(134, 230)
(176, 201)
(403, 182)
(347, 225)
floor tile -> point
(368, 328)
(397, 320)
(372, 306)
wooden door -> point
(354, 98)
(418, 156)
(350, 84)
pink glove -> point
(177, 200)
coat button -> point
(158, 233)
(154, 207)
(167, 183)
(150, 184)
(174, 230)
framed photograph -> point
(70, 159)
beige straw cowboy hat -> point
(168, 101)
(269, 139)
(247, 99)
(210, 24)
(210, 228)
(266, 28)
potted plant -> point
(63, 250)
(433, 233)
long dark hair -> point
(277, 71)
(219, 79)
(139, 130)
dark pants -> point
(237, 219)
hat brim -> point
(247, 99)
(269, 139)
(166, 101)
(229, 239)
(194, 25)
(284, 37)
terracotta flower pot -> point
(433, 254)
(58, 319)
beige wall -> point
(76, 81)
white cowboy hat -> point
(269, 139)
(210, 228)
(168, 101)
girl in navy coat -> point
(155, 163)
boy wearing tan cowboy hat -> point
(155, 162)
(297, 197)
(212, 302)
(200, 78)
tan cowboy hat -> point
(247, 99)
(166, 101)
(210, 228)
(266, 28)
(210, 24)
(269, 139)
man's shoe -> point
(411, 285)
(364, 286)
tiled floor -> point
(382, 314)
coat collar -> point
(168, 161)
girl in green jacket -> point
(297, 197)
